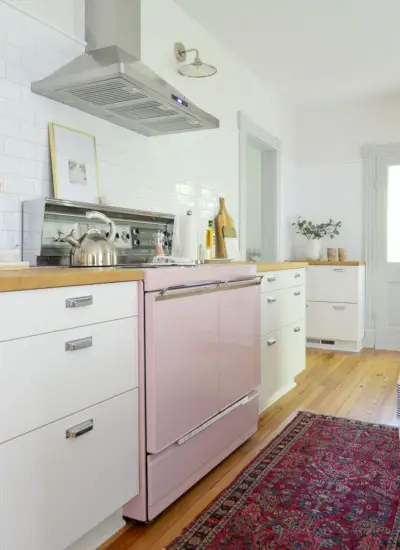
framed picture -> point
(74, 164)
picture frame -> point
(74, 164)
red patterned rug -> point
(323, 482)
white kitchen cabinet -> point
(282, 333)
(55, 489)
(46, 377)
(335, 306)
(68, 359)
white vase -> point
(313, 249)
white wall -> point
(168, 173)
(254, 199)
(330, 168)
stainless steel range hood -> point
(110, 81)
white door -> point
(386, 254)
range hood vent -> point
(111, 82)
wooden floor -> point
(360, 386)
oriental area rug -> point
(323, 482)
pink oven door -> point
(182, 377)
(239, 332)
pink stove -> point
(199, 371)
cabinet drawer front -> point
(270, 364)
(280, 308)
(332, 321)
(275, 280)
(69, 485)
(334, 284)
(44, 378)
(39, 311)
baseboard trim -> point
(339, 345)
(277, 395)
(116, 536)
(369, 338)
(103, 534)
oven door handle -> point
(206, 287)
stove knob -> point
(117, 236)
(125, 236)
(136, 243)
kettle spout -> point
(72, 241)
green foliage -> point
(316, 231)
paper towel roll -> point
(188, 246)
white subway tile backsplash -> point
(9, 89)
(9, 203)
(21, 149)
(10, 240)
(2, 68)
(34, 134)
(9, 165)
(10, 127)
(20, 185)
(12, 221)
(2, 144)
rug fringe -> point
(394, 425)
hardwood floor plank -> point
(361, 386)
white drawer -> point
(41, 382)
(294, 344)
(275, 280)
(30, 312)
(62, 488)
(282, 307)
(332, 321)
(334, 284)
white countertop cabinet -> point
(336, 307)
(68, 412)
(283, 342)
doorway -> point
(259, 200)
(382, 240)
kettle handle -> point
(93, 214)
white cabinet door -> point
(333, 321)
(333, 284)
(270, 364)
(294, 350)
(55, 489)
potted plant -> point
(314, 233)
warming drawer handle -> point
(80, 301)
(271, 300)
(271, 278)
(339, 270)
(81, 343)
(80, 429)
(271, 342)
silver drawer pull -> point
(271, 300)
(81, 301)
(297, 293)
(82, 343)
(271, 342)
(80, 429)
(271, 279)
(339, 307)
(296, 329)
(339, 270)
(297, 275)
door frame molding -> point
(372, 155)
(271, 148)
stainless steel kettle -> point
(94, 248)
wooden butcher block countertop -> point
(52, 277)
(280, 266)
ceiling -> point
(312, 51)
